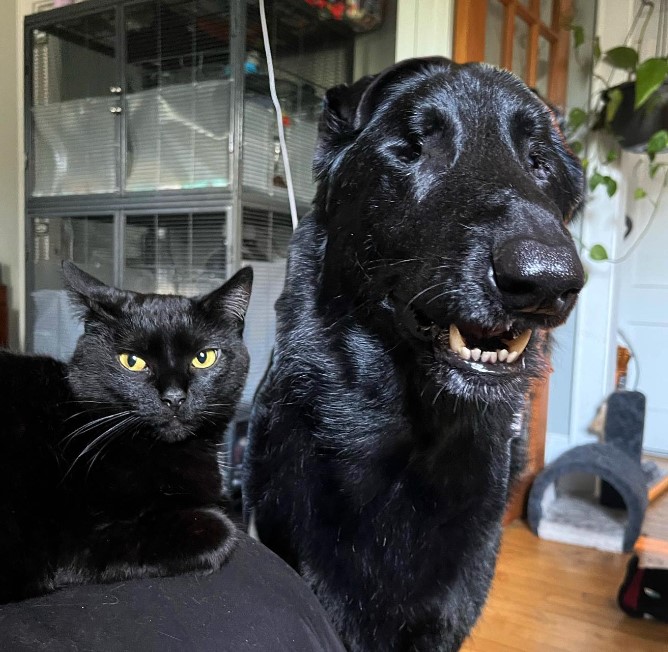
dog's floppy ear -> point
(348, 109)
(336, 128)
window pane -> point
(520, 45)
(178, 94)
(74, 131)
(543, 71)
(546, 12)
(88, 242)
(265, 236)
(175, 254)
(494, 33)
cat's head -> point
(174, 366)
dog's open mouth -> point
(501, 347)
(469, 344)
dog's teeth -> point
(475, 354)
(465, 353)
(492, 357)
(502, 355)
(456, 340)
(485, 356)
(520, 342)
(512, 357)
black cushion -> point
(255, 602)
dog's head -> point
(445, 191)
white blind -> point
(74, 133)
(181, 253)
(178, 94)
(86, 240)
(265, 237)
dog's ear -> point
(573, 182)
(336, 128)
(348, 109)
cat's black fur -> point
(108, 473)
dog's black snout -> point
(536, 277)
(174, 397)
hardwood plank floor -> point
(552, 597)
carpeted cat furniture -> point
(581, 519)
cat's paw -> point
(198, 538)
(214, 534)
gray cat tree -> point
(608, 519)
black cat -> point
(109, 465)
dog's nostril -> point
(532, 276)
(570, 293)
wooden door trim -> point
(469, 40)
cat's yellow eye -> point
(204, 359)
(132, 362)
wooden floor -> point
(552, 597)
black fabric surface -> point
(255, 602)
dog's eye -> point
(410, 151)
(538, 166)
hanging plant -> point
(633, 114)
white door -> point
(643, 306)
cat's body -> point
(109, 465)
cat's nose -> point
(173, 397)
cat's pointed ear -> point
(231, 299)
(90, 294)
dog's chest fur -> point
(381, 472)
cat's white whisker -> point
(93, 424)
(112, 436)
(116, 429)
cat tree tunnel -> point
(576, 518)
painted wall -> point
(597, 320)
(424, 27)
(11, 235)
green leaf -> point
(649, 77)
(615, 98)
(576, 147)
(585, 163)
(639, 193)
(576, 118)
(622, 57)
(578, 35)
(595, 180)
(610, 185)
(653, 169)
(598, 252)
(657, 143)
(611, 156)
(597, 50)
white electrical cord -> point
(279, 116)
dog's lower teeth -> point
(515, 348)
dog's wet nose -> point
(536, 277)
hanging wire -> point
(279, 116)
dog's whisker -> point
(419, 294)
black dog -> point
(383, 440)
